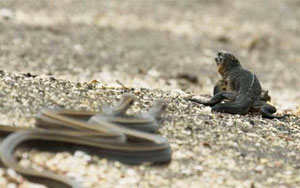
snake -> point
(130, 139)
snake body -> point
(112, 134)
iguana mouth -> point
(219, 59)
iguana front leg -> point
(217, 98)
(221, 85)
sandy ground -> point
(151, 44)
(148, 43)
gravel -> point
(209, 149)
(83, 55)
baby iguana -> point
(240, 88)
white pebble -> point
(11, 185)
(6, 13)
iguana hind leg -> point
(217, 98)
(264, 96)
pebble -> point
(6, 13)
(228, 148)
(11, 185)
(121, 40)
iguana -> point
(239, 88)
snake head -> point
(157, 109)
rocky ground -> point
(156, 49)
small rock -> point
(6, 13)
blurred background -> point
(166, 44)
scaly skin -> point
(112, 134)
(240, 89)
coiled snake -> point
(112, 134)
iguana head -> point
(225, 62)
